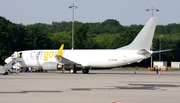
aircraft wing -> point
(61, 59)
(65, 60)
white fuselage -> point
(92, 58)
(61, 59)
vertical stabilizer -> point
(144, 39)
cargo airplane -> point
(73, 60)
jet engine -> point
(51, 66)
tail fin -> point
(144, 39)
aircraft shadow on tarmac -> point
(131, 87)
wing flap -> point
(64, 60)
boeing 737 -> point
(73, 60)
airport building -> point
(160, 64)
(163, 64)
(175, 64)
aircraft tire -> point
(6, 73)
(85, 71)
(73, 71)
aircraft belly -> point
(104, 62)
(116, 61)
(32, 62)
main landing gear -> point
(6, 73)
(72, 71)
(85, 71)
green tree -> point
(80, 36)
(112, 26)
(36, 39)
(6, 40)
(60, 38)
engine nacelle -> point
(51, 66)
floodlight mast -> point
(73, 7)
(157, 10)
(152, 9)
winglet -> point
(59, 54)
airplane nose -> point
(7, 60)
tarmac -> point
(100, 86)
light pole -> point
(152, 9)
(160, 48)
(73, 7)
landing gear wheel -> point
(6, 73)
(17, 71)
(73, 71)
(85, 71)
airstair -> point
(7, 68)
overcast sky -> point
(127, 12)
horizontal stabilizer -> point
(160, 51)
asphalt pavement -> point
(100, 86)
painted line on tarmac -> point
(35, 91)
(147, 99)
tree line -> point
(109, 34)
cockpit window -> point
(12, 55)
